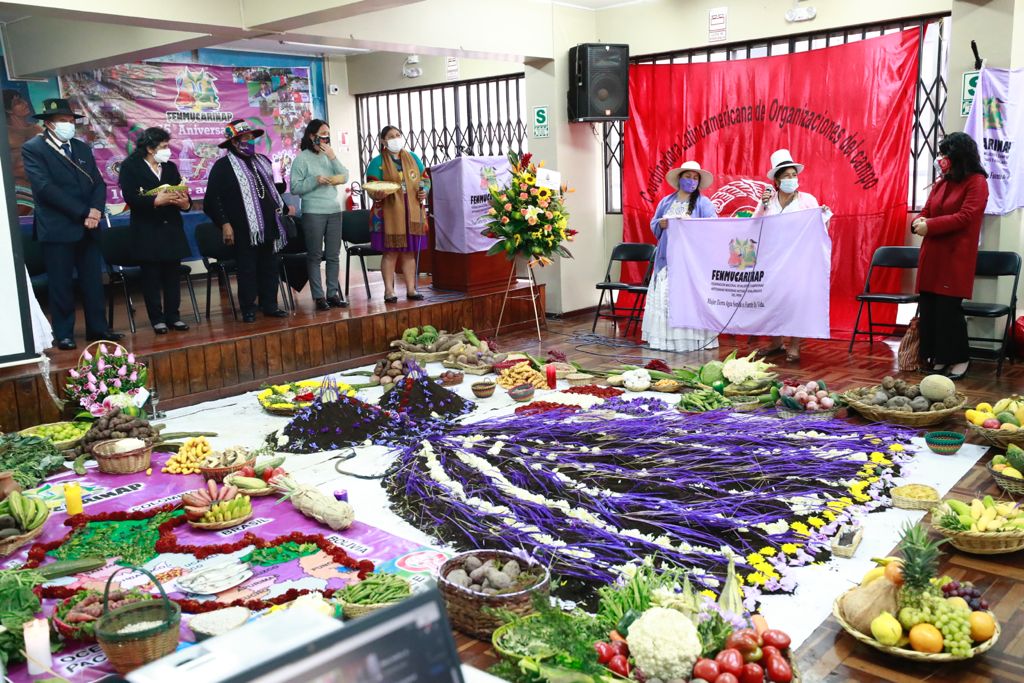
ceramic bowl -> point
(483, 389)
(944, 443)
(521, 392)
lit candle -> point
(341, 495)
(73, 498)
(37, 646)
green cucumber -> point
(791, 403)
(262, 467)
(56, 570)
(821, 385)
(775, 394)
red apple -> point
(991, 423)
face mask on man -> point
(688, 184)
(162, 156)
(247, 148)
(789, 185)
(64, 130)
(395, 145)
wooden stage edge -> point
(227, 358)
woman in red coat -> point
(950, 224)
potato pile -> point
(901, 396)
(492, 577)
(388, 371)
(118, 425)
(522, 373)
(466, 355)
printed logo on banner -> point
(488, 177)
(995, 113)
(197, 98)
(742, 253)
(738, 199)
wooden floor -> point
(831, 655)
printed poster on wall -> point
(194, 103)
(995, 121)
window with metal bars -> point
(482, 117)
(929, 105)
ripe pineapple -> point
(920, 564)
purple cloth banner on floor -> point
(995, 121)
(751, 275)
(461, 201)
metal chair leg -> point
(348, 266)
(871, 328)
(128, 305)
(192, 296)
(856, 328)
(209, 290)
(227, 287)
(597, 313)
(366, 278)
(110, 305)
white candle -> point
(37, 646)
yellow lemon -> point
(1011, 472)
(984, 407)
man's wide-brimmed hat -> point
(55, 106)
(236, 128)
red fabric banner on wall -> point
(845, 112)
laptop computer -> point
(410, 642)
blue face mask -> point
(688, 184)
(247, 148)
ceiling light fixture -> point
(326, 48)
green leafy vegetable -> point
(30, 458)
(134, 541)
(18, 604)
(713, 632)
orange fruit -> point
(926, 638)
(983, 626)
(894, 572)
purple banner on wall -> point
(194, 103)
(996, 119)
(461, 201)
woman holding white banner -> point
(686, 202)
(786, 198)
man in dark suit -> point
(69, 197)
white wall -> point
(381, 71)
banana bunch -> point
(24, 514)
(229, 457)
(199, 503)
(225, 511)
(189, 457)
(1012, 405)
(982, 514)
(878, 571)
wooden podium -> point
(464, 270)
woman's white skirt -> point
(657, 330)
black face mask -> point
(323, 141)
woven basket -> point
(913, 503)
(128, 462)
(944, 443)
(466, 607)
(218, 473)
(353, 610)
(788, 414)
(73, 631)
(1008, 484)
(580, 379)
(217, 526)
(129, 651)
(252, 493)
(850, 548)
(499, 634)
(467, 369)
(12, 543)
(745, 404)
(913, 655)
(59, 445)
(878, 414)
(998, 437)
(984, 542)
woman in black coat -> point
(159, 232)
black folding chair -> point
(995, 264)
(32, 253)
(884, 257)
(624, 253)
(219, 259)
(118, 245)
(355, 233)
(292, 263)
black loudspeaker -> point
(599, 82)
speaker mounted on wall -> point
(598, 82)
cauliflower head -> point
(637, 380)
(664, 643)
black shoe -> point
(248, 317)
(416, 296)
(337, 302)
(391, 299)
(180, 326)
(109, 335)
(322, 304)
(279, 313)
(959, 375)
(160, 329)
(66, 344)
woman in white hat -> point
(786, 198)
(685, 202)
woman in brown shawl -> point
(399, 220)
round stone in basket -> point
(382, 186)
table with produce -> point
(680, 517)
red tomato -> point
(730, 661)
(619, 665)
(776, 638)
(768, 651)
(742, 641)
(752, 633)
(752, 673)
(726, 678)
(619, 647)
(707, 669)
(604, 652)
(754, 655)
(778, 669)
(247, 471)
(267, 474)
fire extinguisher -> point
(355, 197)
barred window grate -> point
(929, 108)
(482, 117)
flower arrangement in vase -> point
(106, 380)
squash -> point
(937, 388)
